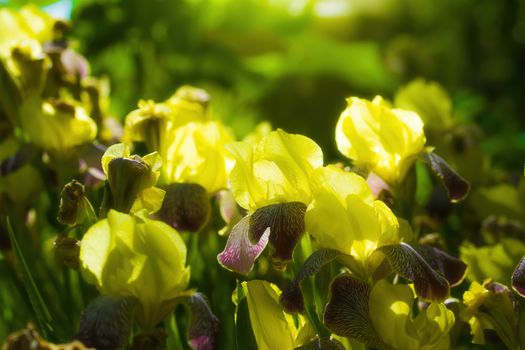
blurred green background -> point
(293, 62)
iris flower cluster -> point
(288, 213)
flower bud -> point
(75, 208)
(126, 178)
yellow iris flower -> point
(27, 23)
(379, 138)
(277, 169)
(344, 215)
(129, 256)
(56, 125)
(195, 153)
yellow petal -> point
(142, 258)
(275, 170)
(390, 310)
(56, 125)
(345, 216)
(379, 138)
(118, 150)
(272, 327)
(195, 153)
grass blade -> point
(43, 317)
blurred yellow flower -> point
(379, 138)
(27, 23)
(344, 215)
(429, 100)
(128, 256)
(275, 170)
(149, 118)
(195, 153)
(56, 125)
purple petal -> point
(240, 254)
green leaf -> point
(291, 298)
(244, 336)
(43, 317)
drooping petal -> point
(106, 323)
(286, 223)
(457, 187)
(452, 268)
(407, 262)
(347, 312)
(239, 254)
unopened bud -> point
(126, 178)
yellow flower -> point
(27, 23)
(273, 328)
(490, 306)
(189, 104)
(150, 118)
(429, 100)
(391, 314)
(380, 139)
(195, 153)
(344, 215)
(55, 125)
(275, 170)
(128, 256)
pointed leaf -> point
(407, 262)
(457, 186)
(347, 312)
(18, 160)
(42, 314)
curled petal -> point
(204, 325)
(240, 254)
(407, 262)
(457, 187)
(286, 223)
(518, 278)
(452, 268)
